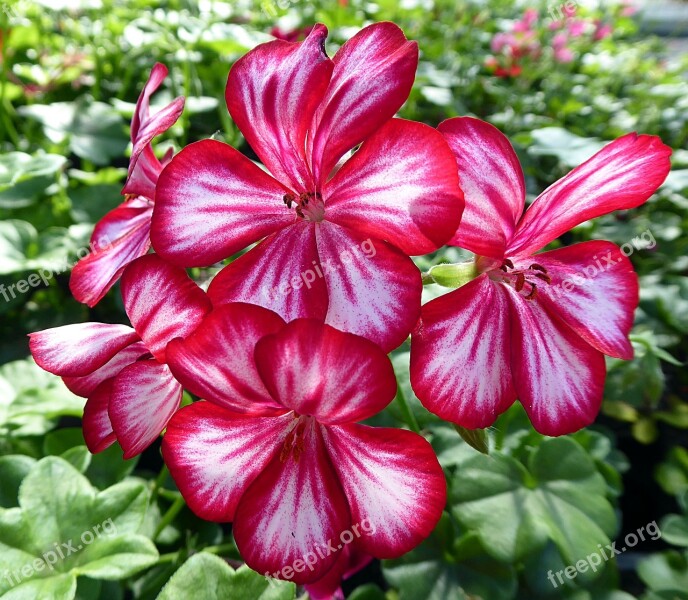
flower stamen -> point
(522, 279)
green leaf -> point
(572, 150)
(105, 468)
(219, 581)
(433, 573)
(24, 177)
(515, 510)
(31, 398)
(675, 530)
(672, 474)
(13, 469)
(665, 572)
(64, 528)
(22, 249)
(94, 130)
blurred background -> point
(561, 79)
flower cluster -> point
(274, 443)
(528, 39)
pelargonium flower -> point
(301, 112)
(123, 370)
(275, 447)
(126, 228)
(533, 326)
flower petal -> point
(144, 397)
(372, 78)
(373, 289)
(214, 455)
(401, 187)
(86, 385)
(624, 174)
(145, 127)
(317, 370)
(79, 349)
(281, 273)
(395, 486)
(492, 182)
(97, 428)
(162, 302)
(594, 291)
(216, 361)
(143, 178)
(559, 378)
(120, 237)
(292, 509)
(460, 355)
(272, 94)
(211, 202)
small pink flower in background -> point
(602, 30)
(294, 35)
(629, 8)
(516, 330)
(576, 27)
(502, 41)
(127, 227)
(301, 112)
(122, 370)
(568, 10)
(564, 55)
(529, 19)
(276, 447)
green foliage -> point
(205, 571)
(70, 75)
(64, 528)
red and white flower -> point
(123, 370)
(123, 234)
(276, 448)
(533, 327)
(301, 112)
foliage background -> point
(71, 73)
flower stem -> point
(409, 417)
(169, 516)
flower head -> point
(533, 326)
(277, 450)
(301, 112)
(127, 227)
(123, 370)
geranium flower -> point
(126, 228)
(122, 370)
(276, 449)
(301, 112)
(533, 326)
